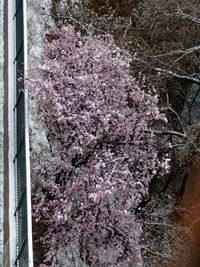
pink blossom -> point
(101, 162)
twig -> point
(170, 73)
(185, 16)
(184, 77)
(165, 132)
(177, 52)
(178, 117)
(127, 27)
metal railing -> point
(23, 257)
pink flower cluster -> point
(101, 161)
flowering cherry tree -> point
(101, 160)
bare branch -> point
(177, 145)
(184, 77)
(185, 16)
(127, 27)
(177, 52)
(170, 73)
(178, 117)
(165, 132)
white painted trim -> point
(1, 129)
(11, 132)
(28, 179)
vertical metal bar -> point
(28, 179)
(11, 132)
(24, 256)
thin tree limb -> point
(179, 51)
(165, 132)
(185, 16)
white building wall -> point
(1, 131)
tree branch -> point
(170, 73)
(177, 52)
(178, 117)
(165, 132)
(184, 77)
(185, 16)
